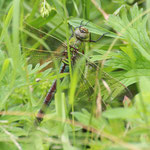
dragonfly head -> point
(81, 33)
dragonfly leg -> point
(72, 32)
(98, 38)
(81, 24)
(86, 23)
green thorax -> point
(77, 42)
(80, 36)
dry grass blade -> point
(12, 137)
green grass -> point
(93, 108)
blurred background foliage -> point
(103, 107)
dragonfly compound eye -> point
(83, 30)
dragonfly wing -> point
(110, 88)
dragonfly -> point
(80, 36)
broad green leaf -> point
(142, 99)
(137, 72)
(122, 113)
(75, 22)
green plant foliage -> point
(102, 103)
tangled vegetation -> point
(102, 103)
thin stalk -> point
(105, 15)
(69, 60)
(148, 8)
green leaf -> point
(75, 22)
(85, 118)
(59, 7)
(6, 23)
(34, 10)
(133, 28)
(142, 99)
(122, 113)
(4, 68)
(41, 21)
(101, 55)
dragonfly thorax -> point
(82, 33)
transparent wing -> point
(110, 88)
